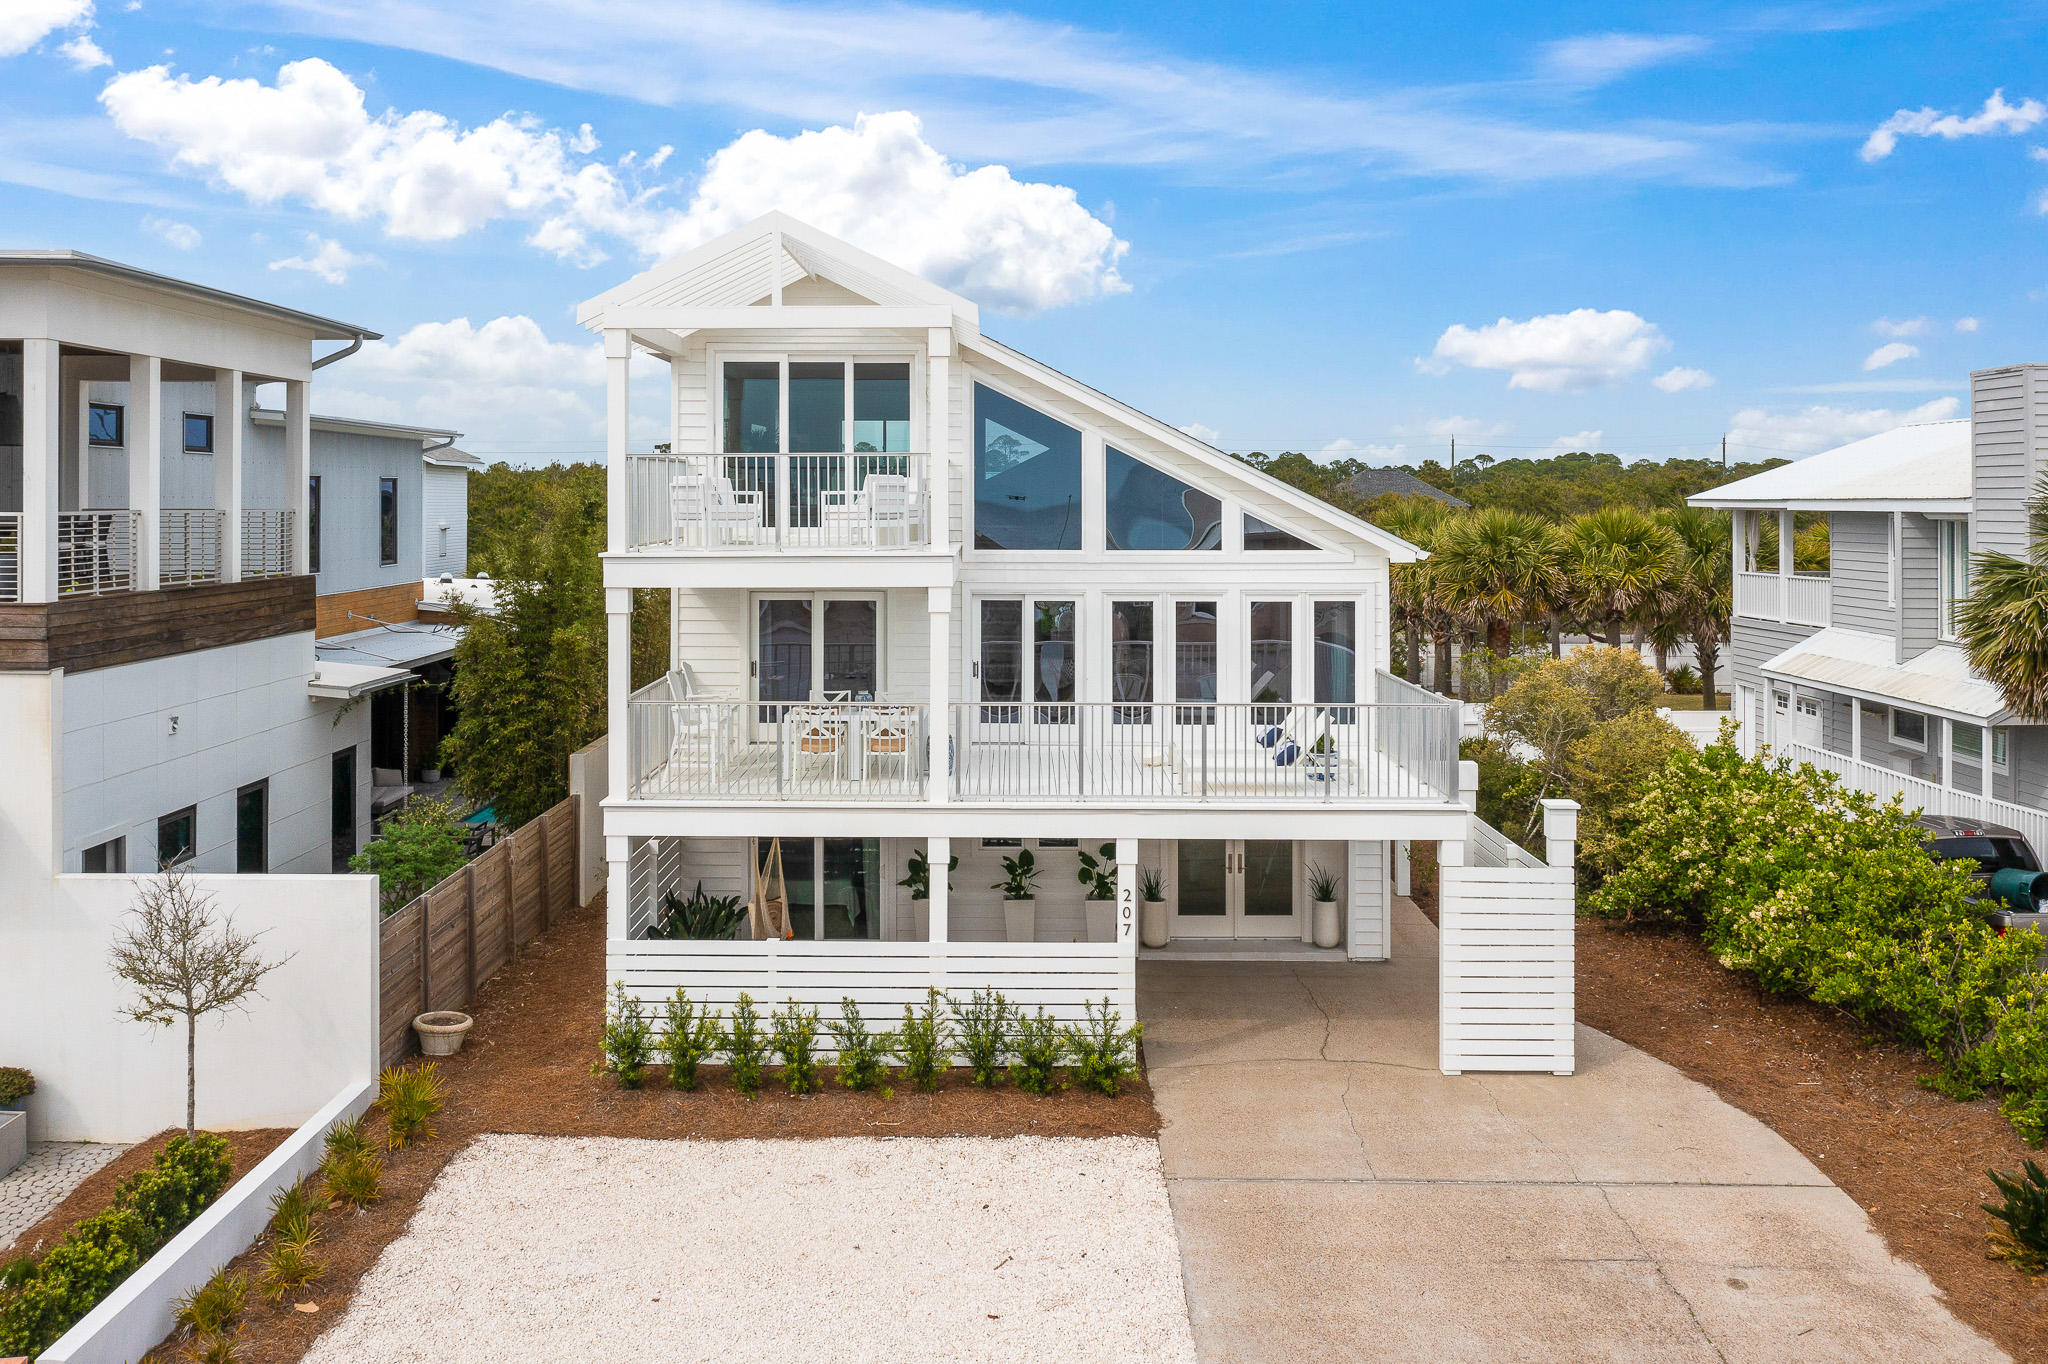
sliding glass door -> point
(834, 884)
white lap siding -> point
(1369, 935)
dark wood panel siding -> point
(80, 634)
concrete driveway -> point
(1337, 1198)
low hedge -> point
(42, 1299)
(1830, 894)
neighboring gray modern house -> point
(1857, 669)
(1380, 482)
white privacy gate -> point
(1505, 940)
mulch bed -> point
(525, 1068)
(1852, 1104)
(246, 1151)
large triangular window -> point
(1148, 510)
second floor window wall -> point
(1955, 572)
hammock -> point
(768, 910)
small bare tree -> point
(183, 963)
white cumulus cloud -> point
(1346, 448)
(1823, 428)
(1565, 445)
(1967, 324)
(1208, 435)
(1890, 354)
(1997, 116)
(84, 53)
(24, 23)
(1464, 428)
(328, 259)
(1680, 379)
(1899, 327)
(311, 137)
(184, 236)
(1557, 352)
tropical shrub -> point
(291, 1213)
(796, 1043)
(744, 1046)
(16, 1084)
(1605, 769)
(1104, 1052)
(351, 1138)
(410, 1097)
(1098, 872)
(2019, 1231)
(628, 1039)
(354, 1180)
(1039, 1047)
(289, 1265)
(1020, 876)
(689, 1038)
(418, 845)
(700, 918)
(1683, 681)
(984, 1024)
(921, 1042)
(917, 877)
(215, 1307)
(863, 1055)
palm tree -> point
(1617, 558)
(1502, 567)
(1700, 599)
(1416, 520)
(2003, 623)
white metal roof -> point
(1860, 663)
(1927, 462)
(345, 681)
(389, 646)
(271, 416)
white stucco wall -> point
(100, 1078)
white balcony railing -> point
(191, 546)
(10, 556)
(1065, 752)
(96, 551)
(799, 502)
(1794, 599)
(266, 543)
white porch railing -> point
(1794, 599)
(1929, 797)
(191, 545)
(266, 542)
(10, 556)
(740, 750)
(96, 551)
(802, 501)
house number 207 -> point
(1126, 912)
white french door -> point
(814, 646)
(1235, 888)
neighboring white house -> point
(445, 520)
(931, 595)
(1857, 668)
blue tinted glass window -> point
(1027, 477)
(1262, 535)
(104, 424)
(198, 431)
(753, 407)
(881, 408)
(1150, 510)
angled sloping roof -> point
(1380, 482)
(354, 426)
(448, 457)
(1922, 463)
(323, 328)
(1860, 663)
(742, 267)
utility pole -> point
(1454, 454)
(1724, 451)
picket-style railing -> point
(10, 556)
(1926, 796)
(1790, 598)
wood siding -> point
(80, 634)
(1860, 566)
(343, 613)
(1920, 586)
(1757, 640)
(2008, 433)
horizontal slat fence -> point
(440, 948)
(1507, 953)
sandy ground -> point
(852, 1248)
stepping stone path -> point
(53, 1169)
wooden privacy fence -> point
(442, 946)
(1506, 996)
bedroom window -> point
(1147, 509)
(198, 433)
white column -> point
(144, 421)
(1855, 729)
(618, 623)
(618, 910)
(1403, 867)
(41, 428)
(939, 724)
(227, 469)
(618, 367)
(938, 430)
(939, 854)
(1127, 915)
(1984, 765)
(298, 469)
(1560, 832)
(1948, 752)
(1450, 853)
(1784, 565)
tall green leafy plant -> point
(984, 1025)
(418, 846)
(688, 1039)
(628, 1039)
(922, 1041)
(744, 1045)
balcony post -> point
(938, 854)
(145, 466)
(1784, 565)
(618, 379)
(41, 423)
(1127, 913)
(1855, 730)
(1984, 763)
(298, 469)
(1948, 752)
(227, 469)
(618, 624)
(939, 612)
(938, 429)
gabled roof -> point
(748, 263)
(323, 328)
(1925, 463)
(1402, 483)
(448, 457)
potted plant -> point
(1152, 909)
(918, 882)
(1320, 762)
(1098, 873)
(701, 918)
(1322, 889)
(16, 1085)
(1020, 902)
(441, 1031)
(430, 766)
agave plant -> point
(700, 917)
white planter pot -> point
(1020, 920)
(921, 917)
(441, 1032)
(13, 1139)
(1152, 923)
(430, 775)
(1101, 920)
(1327, 930)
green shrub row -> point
(1831, 894)
(986, 1029)
(40, 1299)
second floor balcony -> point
(863, 500)
(97, 549)
(1792, 598)
(1085, 753)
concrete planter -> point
(1020, 920)
(1326, 925)
(1101, 920)
(1152, 923)
(921, 916)
(441, 1032)
(13, 1139)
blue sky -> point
(1351, 229)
